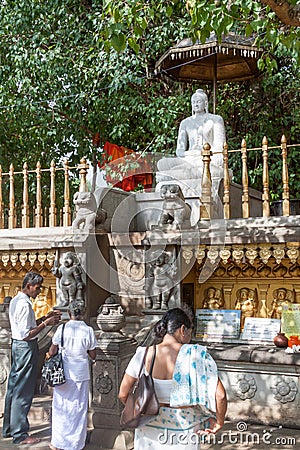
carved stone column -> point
(227, 289)
(263, 292)
(129, 278)
(296, 288)
(114, 352)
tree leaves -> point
(71, 69)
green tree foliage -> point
(70, 69)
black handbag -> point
(142, 404)
(53, 369)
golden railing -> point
(33, 212)
(36, 209)
(206, 197)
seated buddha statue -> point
(194, 131)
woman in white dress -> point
(191, 396)
(70, 400)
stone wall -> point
(262, 383)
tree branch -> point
(70, 119)
(287, 13)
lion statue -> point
(87, 212)
(176, 213)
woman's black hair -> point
(77, 308)
(171, 321)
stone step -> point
(40, 426)
(40, 411)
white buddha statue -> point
(194, 132)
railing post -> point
(245, 182)
(285, 179)
(1, 202)
(226, 183)
(25, 207)
(52, 209)
(46, 216)
(266, 194)
(83, 168)
(205, 207)
(38, 209)
(66, 208)
(12, 222)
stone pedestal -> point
(262, 383)
(114, 352)
(151, 317)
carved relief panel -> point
(13, 268)
(271, 272)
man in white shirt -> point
(24, 359)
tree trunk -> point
(287, 13)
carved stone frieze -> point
(213, 255)
(13, 259)
(293, 252)
(103, 383)
(32, 257)
(251, 254)
(248, 270)
(105, 389)
(294, 270)
(281, 297)
(51, 258)
(213, 298)
(268, 259)
(285, 390)
(265, 254)
(131, 270)
(5, 258)
(263, 270)
(220, 271)
(238, 254)
(225, 254)
(245, 387)
(247, 302)
(23, 259)
(187, 253)
(200, 253)
(42, 257)
(233, 270)
(278, 253)
(279, 270)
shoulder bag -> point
(142, 404)
(53, 369)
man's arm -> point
(182, 141)
(52, 318)
(49, 314)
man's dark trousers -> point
(20, 389)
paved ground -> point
(234, 436)
(237, 436)
(40, 426)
